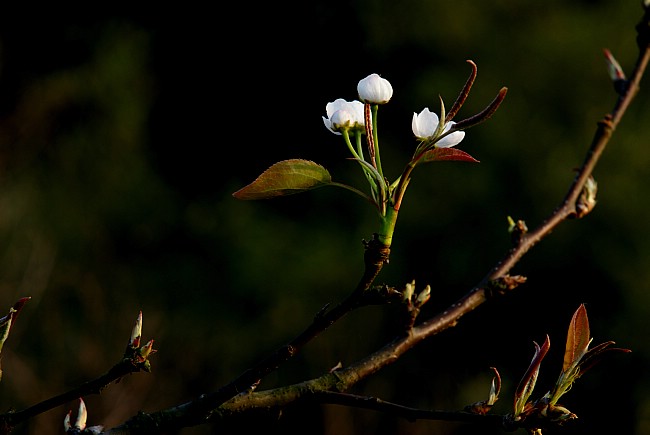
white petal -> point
(335, 105)
(451, 139)
(424, 124)
(328, 125)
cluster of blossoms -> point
(356, 122)
(349, 115)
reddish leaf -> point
(450, 154)
(19, 306)
(527, 382)
(286, 178)
(594, 355)
(577, 340)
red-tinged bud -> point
(82, 415)
(136, 334)
(613, 67)
(66, 421)
(147, 350)
(80, 423)
(616, 73)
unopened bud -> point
(82, 415)
(424, 296)
(409, 290)
(136, 333)
(587, 199)
(616, 73)
(517, 229)
(147, 350)
(66, 421)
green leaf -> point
(449, 154)
(286, 178)
(577, 340)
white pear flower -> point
(375, 90)
(425, 124)
(343, 114)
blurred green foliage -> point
(123, 135)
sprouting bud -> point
(374, 90)
(587, 199)
(516, 229)
(424, 296)
(135, 353)
(615, 72)
(66, 421)
(136, 333)
(409, 289)
(82, 416)
(147, 350)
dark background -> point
(123, 134)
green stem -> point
(358, 138)
(346, 137)
(387, 229)
(354, 190)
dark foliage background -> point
(124, 132)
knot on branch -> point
(517, 230)
(502, 285)
(381, 294)
(376, 254)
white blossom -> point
(426, 123)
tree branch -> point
(238, 397)
(496, 282)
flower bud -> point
(375, 90)
(341, 120)
(351, 115)
(424, 296)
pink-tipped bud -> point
(613, 67)
(137, 332)
(82, 416)
(147, 349)
(66, 421)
